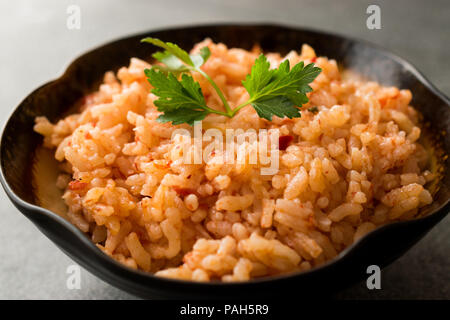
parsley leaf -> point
(183, 115)
(182, 101)
(278, 91)
(273, 92)
(170, 63)
(278, 106)
(174, 94)
(175, 59)
(200, 59)
(259, 76)
(172, 49)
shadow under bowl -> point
(380, 247)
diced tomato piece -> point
(284, 141)
(184, 191)
(77, 185)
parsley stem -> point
(239, 107)
(216, 111)
(229, 112)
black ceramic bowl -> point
(380, 247)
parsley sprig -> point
(280, 92)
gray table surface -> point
(36, 46)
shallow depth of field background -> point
(36, 46)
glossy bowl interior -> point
(54, 99)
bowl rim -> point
(114, 266)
